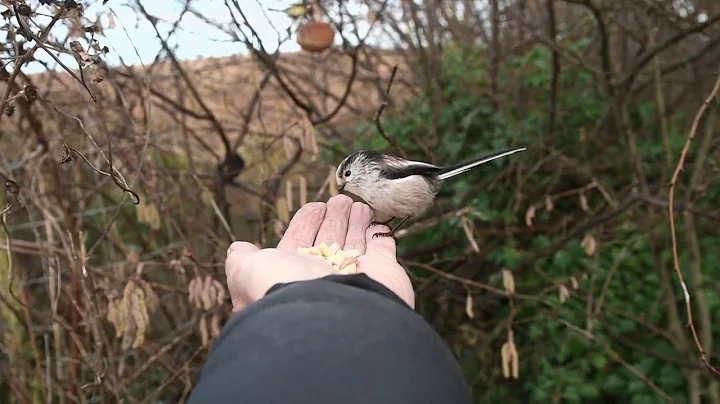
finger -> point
(380, 245)
(335, 225)
(303, 227)
(237, 254)
(360, 217)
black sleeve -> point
(340, 339)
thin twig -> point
(671, 210)
(124, 187)
(380, 111)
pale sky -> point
(193, 39)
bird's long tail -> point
(469, 165)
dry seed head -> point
(508, 282)
(589, 244)
(152, 301)
(115, 316)
(469, 306)
(563, 293)
(205, 292)
(289, 195)
(510, 360)
(549, 205)
(281, 206)
(140, 316)
(195, 291)
(584, 202)
(302, 184)
(332, 184)
(530, 215)
(215, 325)
(203, 328)
(220, 292)
(468, 229)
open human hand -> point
(251, 271)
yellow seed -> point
(349, 269)
(337, 259)
(333, 249)
(314, 251)
(324, 249)
(348, 261)
(303, 250)
(352, 253)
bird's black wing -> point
(408, 168)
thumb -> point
(237, 253)
(236, 261)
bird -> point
(397, 187)
(296, 10)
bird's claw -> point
(385, 234)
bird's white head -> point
(358, 172)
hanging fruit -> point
(315, 36)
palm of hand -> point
(251, 272)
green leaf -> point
(599, 360)
(588, 390)
(614, 384)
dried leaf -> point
(530, 215)
(469, 305)
(508, 282)
(549, 205)
(589, 244)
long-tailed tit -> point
(397, 187)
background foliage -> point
(560, 255)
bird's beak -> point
(341, 187)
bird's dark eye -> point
(347, 173)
